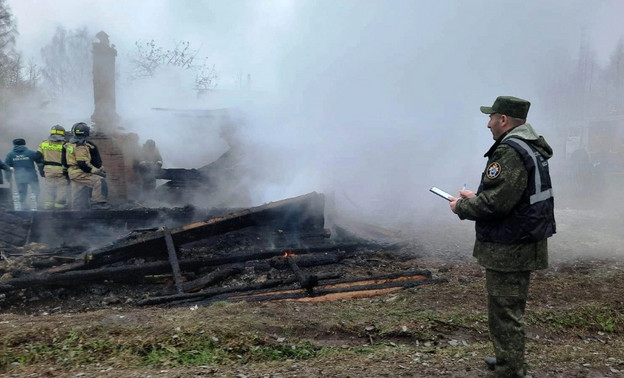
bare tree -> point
(7, 46)
(614, 79)
(67, 62)
(7, 28)
(206, 78)
(149, 57)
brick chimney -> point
(119, 151)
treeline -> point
(584, 90)
(66, 65)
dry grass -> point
(574, 316)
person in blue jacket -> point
(4, 167)
(24, 164)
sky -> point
(370, 101)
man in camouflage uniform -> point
(514, 213)
(85, 170)
(54, 169)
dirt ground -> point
(575, 321)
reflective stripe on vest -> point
(52, 146)
(539, 194)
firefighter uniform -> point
(85, 170)
(54, 169)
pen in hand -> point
(464, 186)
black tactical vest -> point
(533, 218)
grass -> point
(380, 335)
(587, 318)
(78, 347)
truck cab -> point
(594, 150)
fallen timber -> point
(131, 273)
(190, 275)
(326, 290)
(295, 214)
(303, 212)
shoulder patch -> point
(493, 170)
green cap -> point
(508, 105)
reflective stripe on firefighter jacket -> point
(532, 219)
(53, 156)
(82, 157)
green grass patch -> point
(77, 347)
(585, 318)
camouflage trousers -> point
(507, 295)
(56, 191)
(79, 181)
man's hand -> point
(41, 172)
(462, 194)
(467, 194)
(98, 171)
(453, 204)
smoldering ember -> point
(180, 253)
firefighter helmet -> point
(57, 133)
(81, 129)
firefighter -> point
(149, 167)
(22, 161)
(85, 171)
(54, 169)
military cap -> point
(19, 142)
(508, 105)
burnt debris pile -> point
(280, 250)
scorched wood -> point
(307, 282)
(303, 212)
(134, 273)
(226, 291)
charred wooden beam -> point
(279, 289)
(217, 275)
(127, 272)
(173, 259)
(302, 212)
(124, 273)
(71, 274)
(207, 293)
(327, 290)
(307, 282)
(266, 254)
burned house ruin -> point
(176, 253)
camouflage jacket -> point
(503, 184)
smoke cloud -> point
(371, 102)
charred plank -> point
(307, 282)
(295, 213)
(71, 274)
(207, 293)
(216, 276)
